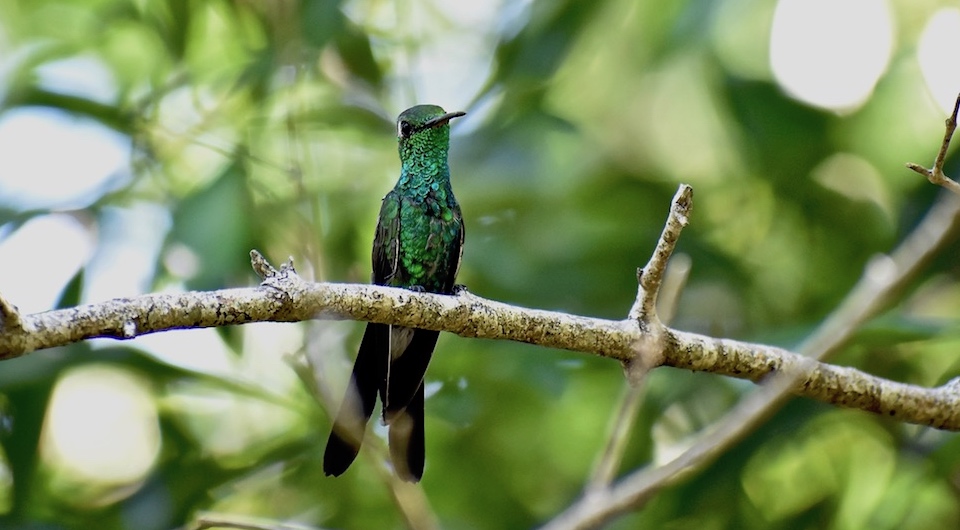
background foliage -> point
(269, 125)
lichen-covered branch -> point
(285, 297)
(839, 385)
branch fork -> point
(935, 175)
(649, 350)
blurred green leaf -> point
(354, 48)
(108, 115)
(70, 297)
(216, 225)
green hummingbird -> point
(418, 245)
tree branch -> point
(284, 297)
(936, 174)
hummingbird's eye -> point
(404, 129)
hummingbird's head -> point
(424, 126)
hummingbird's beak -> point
(443, 119)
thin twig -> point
(623, 422)
(410, 499)
(207, 521)
(650, 277)
(936, 174)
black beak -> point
(443, 119)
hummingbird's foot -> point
(459, 289)
(417, 289)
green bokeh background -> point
(268, 125)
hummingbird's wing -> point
(455, 257)
(369, 374)
(386, 267)
(386, 241)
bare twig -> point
(207, 521)
(623, 422)
(410, 499)
(650, 277)
(936, 175)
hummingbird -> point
(418, 245)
